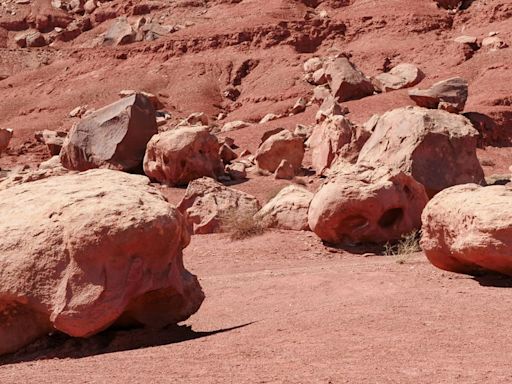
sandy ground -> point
(313, 316)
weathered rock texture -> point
(207, 203)
(346, 81)
(402, 76)
(113, 137)
(450, 95)
(84, 251)
(362, 204)
(336, 137)
(179, 156)
(288, 209)
(284, 145)
(436, 147)
(468, 228)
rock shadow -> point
(61, 346)
(495, 280)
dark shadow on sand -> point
(61, 346)
(495, 280)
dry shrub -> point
(241, 225)
(409, 243)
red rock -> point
(335, 137)
(226, 154)
(53, 140)
(468, 228)
(282, 145)
(436, 147)
(362, 204)
(116, 256)
(287, 210)
(181, 155)
(402, 76)
(207, 202)
(113, 137)
(450, 95)
(284, 170)
(346, 81)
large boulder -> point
(436, 147)
(283, 145)
(468, 228)
(113, 137)
(346, 81)
(450, 95)
(181, 155)
(287, 210)
(401, 76)
(5, 138)
(85, 251)
(336, 137)
(361, 204)
(207, 203)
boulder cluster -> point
(109, 246)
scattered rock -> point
(450, 95)
(54, 140)
(346, 81)
(282, 145)
(207, 202)
(226, 154)
(234, 125)
(304, 131)
(269, 117)
(236, 170)
(436, 147)
(113, 137)
(313, 64)
(78, 111)
(83, 269)
(402, 76)
(494, 43)
(196, 118)
(181, 155)
(119, 33)
(299, 107)
(329, 107)
(335, 137)
(362, 204)
(468, 229)
(284, 170)
(287, 210)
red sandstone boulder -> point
(206, 203)
(287, 210)
(336, 137)
(100, 248)
(468, 228)
(362, 204)
(436, 147)
(402, 76)
(450, 95)
(346, 81)
(284, 145)
(184, 154)
(113, 137)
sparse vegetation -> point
(241, 225)
(409, 243)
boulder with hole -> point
(363, 204)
